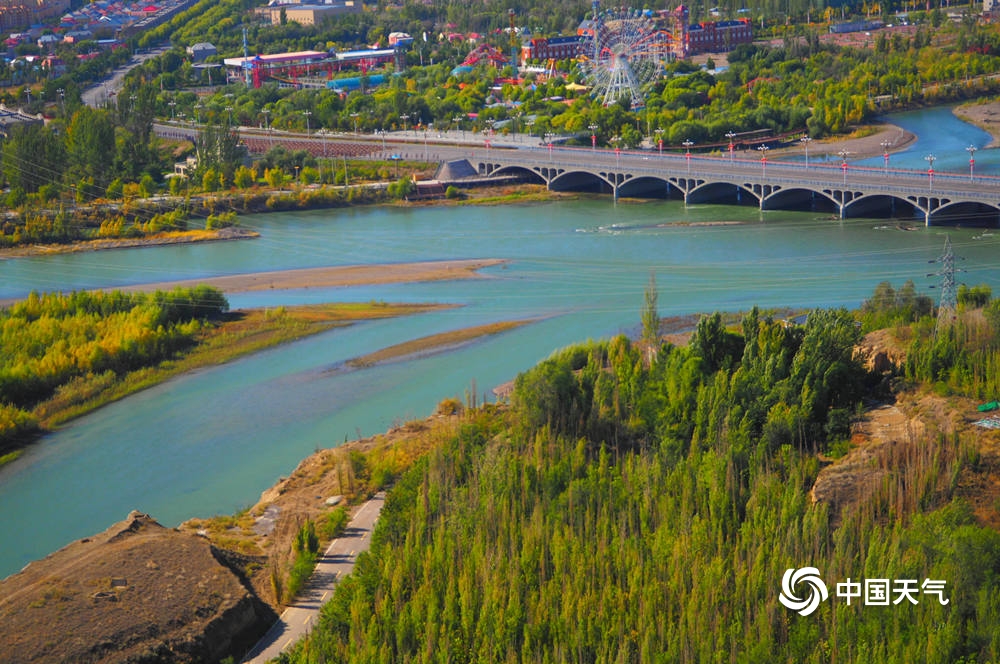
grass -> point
(10, 456)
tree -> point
(90, 146)
(650, 315)
(218, 148)
(32, 156)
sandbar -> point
(333, 277)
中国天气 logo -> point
(816, 591)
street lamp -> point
(548, 139)
(930, 171)
(731, 135)
(659, 139)
(805, 140)
(355, 116)
(618, 150)
(593, 136)
(229, 110)
(267, 123)
(62, 99)
(843, 163)
(687, 154)
(307, 114)
(885, 156)
(171, 104)
(458, 123)
(404, 117)
(972, 161)
(763, 159)
(199, 106)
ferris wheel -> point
(628, 52)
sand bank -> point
(857, 147)
(332, 277)
(985, 114)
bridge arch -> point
(800, 198)
(648, 186)
(724, 193)
(965, 212)
(880, 205)
(581, 181)
(497, 170)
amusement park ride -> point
(619, 51)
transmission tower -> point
(949, 297)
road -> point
(97, 94)
(337, 561)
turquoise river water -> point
(211, 441)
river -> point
(211, 441)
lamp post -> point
(62, 99)
(355, 116)
(548, 140)
(531, 124)
(229, 110)
(381, 132)
(618, 151)
(930, 171)
(843, 163)
(593, 136)
(307, 114)
(732, 146)
(404, 117)
(172, 104)
(659, 139)
(885, 156)
(805, 140)
(687, 152)
(972, 161)
(763, 159)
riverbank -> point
(864, 143)
(984, 114)
(104, 244)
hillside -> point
(648, 512)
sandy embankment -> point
(985, 115)
(860, 147)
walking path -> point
(337, 561)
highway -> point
(336, 562)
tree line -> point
(54, 344)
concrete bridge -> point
(844, 190)
(841, 190)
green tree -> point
(90, 146)
(33, 156)
(650, 314)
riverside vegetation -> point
(65, 355)
(641, 502)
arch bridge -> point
(843, 190)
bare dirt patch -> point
(137, 592)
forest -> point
(640, 502)
(55, 345)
